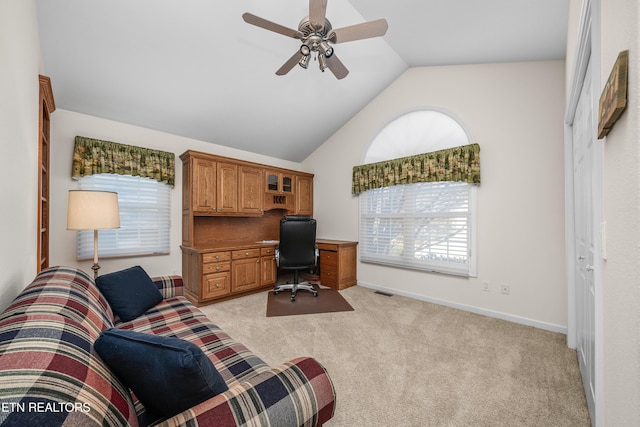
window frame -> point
(409, 261)
(120, 243)
(405, 136)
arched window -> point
(423, 225)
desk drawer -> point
(246, 253)
(329, 276)
(216, 257)
(267, 251)
(216, 267)
(328, 258)
(216, 285)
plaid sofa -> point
(50, 374)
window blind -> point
(424, 226)
(144, 217)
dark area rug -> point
(327, 301)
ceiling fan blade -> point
(271, 26)
(337, 67)
(291, 62)
(365, 30)
(317, 11)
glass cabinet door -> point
(272, 182)
(277, 182)
(287, 184)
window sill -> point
(411, 266)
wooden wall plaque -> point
(613, 100)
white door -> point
(584, 169)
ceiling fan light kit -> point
(315, 32)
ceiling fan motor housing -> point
(314, 37)
(307, 28)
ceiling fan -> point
(316, 33)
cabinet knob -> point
(217, 267)
(217, 285)
(246, 254)
(258, 261)
(217, 256)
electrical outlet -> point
(504, 289)
(485, 286)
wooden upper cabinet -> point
(212, 186)
(250, 189)
(304, 195)
(278, 182)
(203, 186)
(227, 188)
(279, 189)
(221, 186)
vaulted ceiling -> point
(194, 68)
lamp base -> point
(95, 269)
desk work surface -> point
(230, 246)
(327, 244)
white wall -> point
(65, 126)
(617, 21)
(515, 112)
(621, 206)
(19, 88)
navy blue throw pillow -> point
(169, 375)
(130, 292)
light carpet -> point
(396, 361)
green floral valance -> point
(93, 156)
(452, 164)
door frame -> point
(588, 49)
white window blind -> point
(144, 217)
(425, 226)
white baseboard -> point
(477, 310)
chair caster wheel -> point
(275, 292)
(315, 295)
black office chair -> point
(297, 251)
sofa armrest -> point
(297, 393)
(169, 286)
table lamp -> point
(93, 210)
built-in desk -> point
(227, 269)
(338, 261)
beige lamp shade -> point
(92, 210)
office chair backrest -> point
(297, 245)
